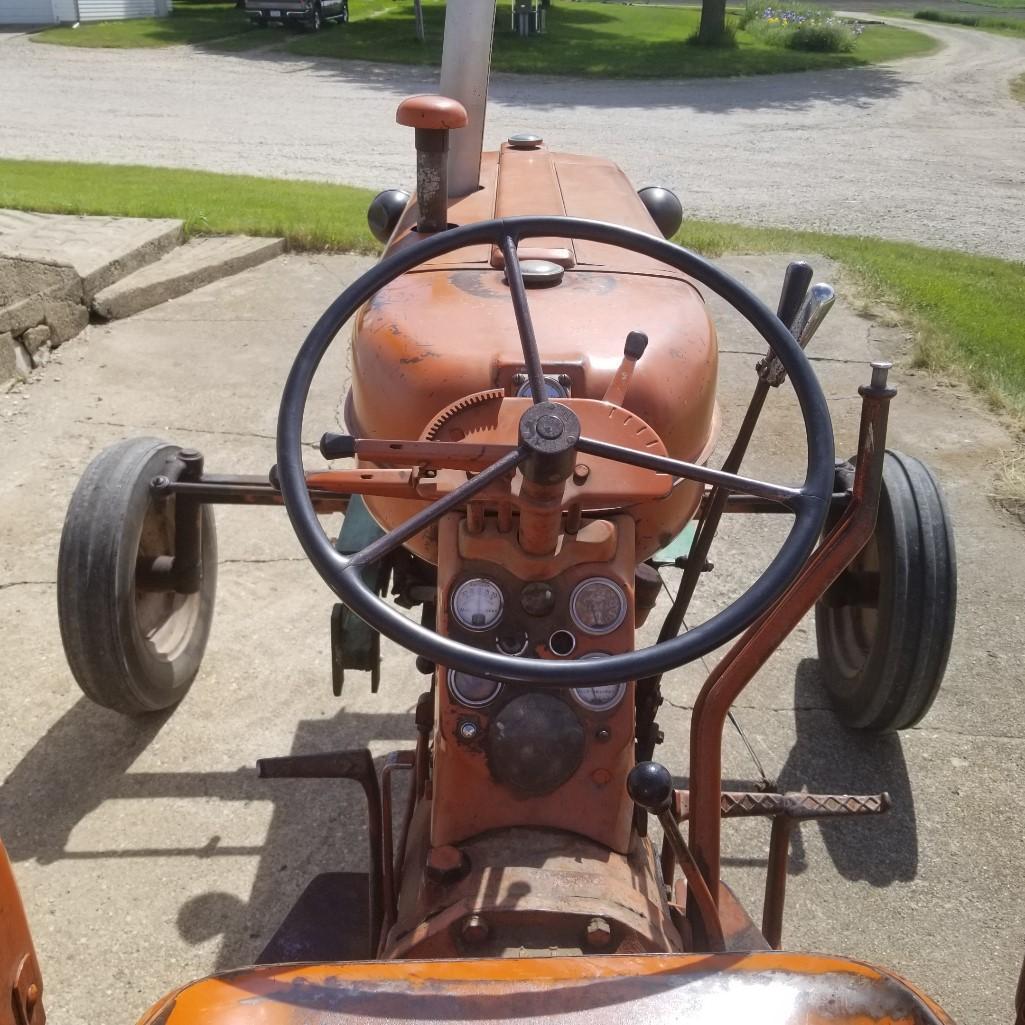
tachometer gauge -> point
(600, 697)
(597, 605)
(477, 603)
(472, 691)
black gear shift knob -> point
(650, 785)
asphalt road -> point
(930, 150)
(149, 853)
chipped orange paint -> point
(770, 988)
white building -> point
(50, 12)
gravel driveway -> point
(930, 149)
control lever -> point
(337, 446)
(636, 343)
(796, 282)
(806, 321)
(650, 786)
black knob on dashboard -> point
(650, 785)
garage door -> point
(103, 10)
(26, 12)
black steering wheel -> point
(343, 574)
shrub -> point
(832, 36)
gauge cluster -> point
(535, 619)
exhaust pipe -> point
(465, 69)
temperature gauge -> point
(477, 603)
(597, 605)
(472, 691)
(602, 696)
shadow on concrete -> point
(317, 837)
(828, 758)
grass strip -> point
(309, 215)
(1005, 26)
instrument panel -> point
(508, 754)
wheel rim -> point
(165, 620)
(854, 627)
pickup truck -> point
(313, 14)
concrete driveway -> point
(928, 150)
(148, 852)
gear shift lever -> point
(650, 786)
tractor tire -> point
(132, 650)
(884, 627)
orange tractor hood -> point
(447, 330)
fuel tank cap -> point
(525, 141)
(541, 273)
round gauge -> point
(603, 696)
(472, 691)
(597, 605)
(477, 603)
(553, 389)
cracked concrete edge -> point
(149, 251)
(125, 297)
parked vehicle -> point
(312, 14)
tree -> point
(713, 22)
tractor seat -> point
(768, 988)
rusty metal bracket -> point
(27, 992)
(405, 760)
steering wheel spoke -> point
(423, 519)
(692, 471)
(525, 326)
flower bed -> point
(801, 28)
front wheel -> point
(132, 646)
(315, 21)
(884, 627)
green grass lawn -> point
(602, 39)
(967, 308)
(609, 40)
(1002, 26)
(1009, 5)
(187, 23)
